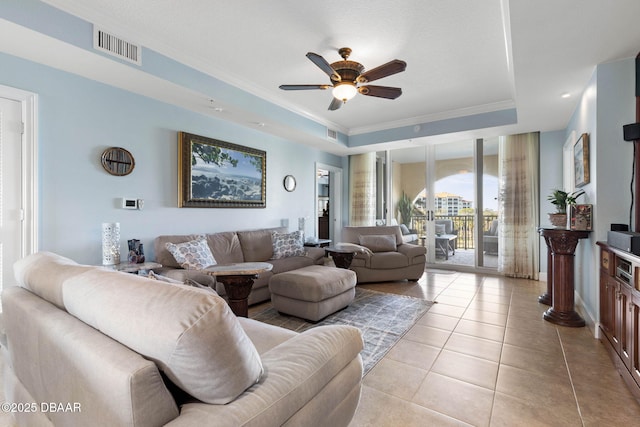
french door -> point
(454, 190)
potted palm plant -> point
(406, 209)
(561, 199)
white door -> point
(11, 214)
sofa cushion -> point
(404, 229)
(225, 247)
(287, 244)
(191, 335)
(257, 245)
(441, 229)
(379, 242)
(351, 234)
(389, 260)
(192, 255)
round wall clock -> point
(117, 161)
(289, 183)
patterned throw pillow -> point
(193, 255)
(287, 244)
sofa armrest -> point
(411, 251)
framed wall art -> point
(219, 174)
(581, 217)
(581, 160)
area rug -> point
(382, 318)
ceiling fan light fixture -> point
(344, 91)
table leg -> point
(238, 288)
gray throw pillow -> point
(404, 229)
(441, 229)
(379, 242)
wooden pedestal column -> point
(562, 244)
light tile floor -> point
(483, 356)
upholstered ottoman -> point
(312, 292)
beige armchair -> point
(382, 256)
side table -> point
(132, 267)
(341, 257)
(318, 243)
(237, 279)
(561, 244)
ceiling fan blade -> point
(391, 67)
(380, 91)
(324, 66)
(304, 87)
(335, 104)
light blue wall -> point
(607, 103)
(79, 118)
(551, 144)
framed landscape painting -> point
(219, 174)
(581, 160)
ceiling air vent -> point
(332, 134)
(116, 46)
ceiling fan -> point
(345, 76)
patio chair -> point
(490, 239)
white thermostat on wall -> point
(129, 204)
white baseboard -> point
(589, 318)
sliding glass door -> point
(453, 190)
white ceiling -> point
(463, 57)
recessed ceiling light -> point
(565, 95)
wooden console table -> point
(237, 279)
(561, 244)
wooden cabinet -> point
(620, 311)
(634, 336)
(323, 227)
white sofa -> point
(117, 349)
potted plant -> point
(561, 199)
(406, 209)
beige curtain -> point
(362, 189)
(518, 238)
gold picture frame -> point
(219, 174)
(581, 160)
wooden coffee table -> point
(237, 279)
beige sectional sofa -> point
(381, 254)
(231, 247)
(117, 349)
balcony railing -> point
(464, 226)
